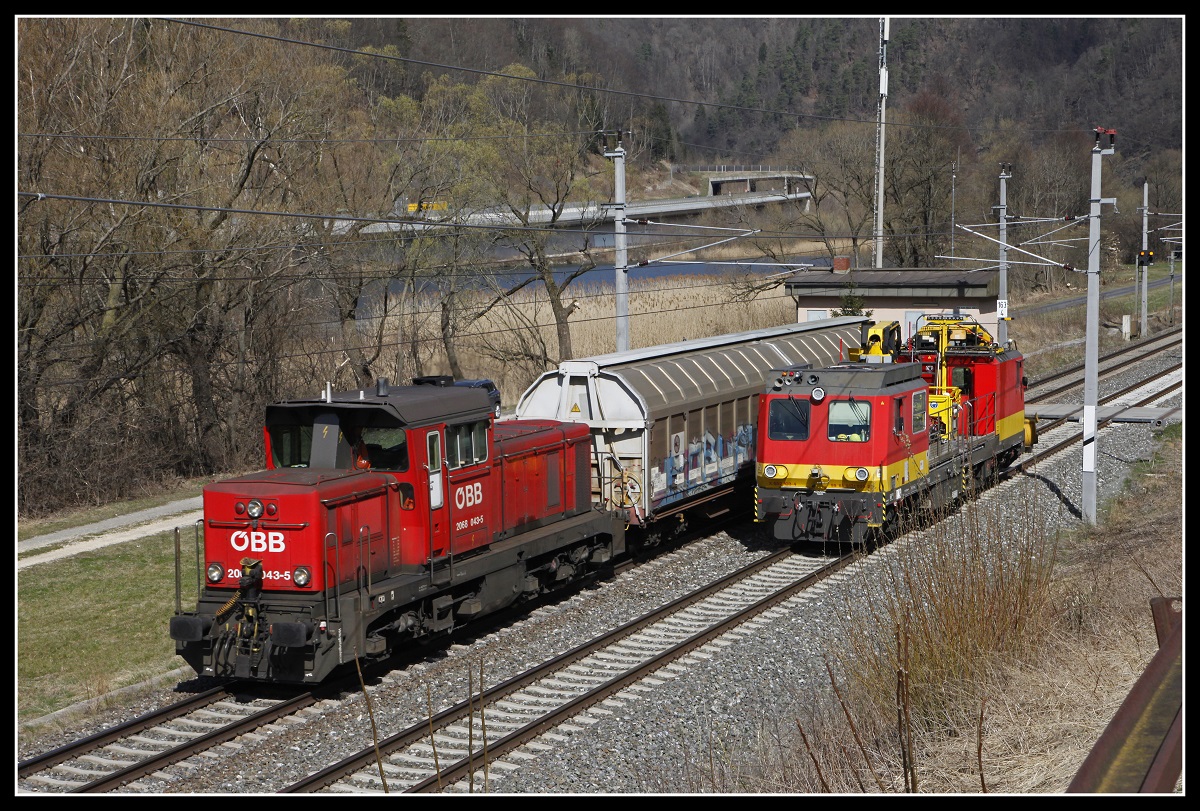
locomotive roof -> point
(405, 405)
(888, 282)
(876, 378)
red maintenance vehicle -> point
(846, 449)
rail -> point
(1141, 749)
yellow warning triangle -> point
(575, 408)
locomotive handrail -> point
(244, 524)
(429, 521)
(987, 408)
(337, 576)
(179, 563)
(356, 495)
(364, 568)
(178, 576)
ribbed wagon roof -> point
(691, 379)
(630, 388)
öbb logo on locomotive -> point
(401, 513)
(468, 496)
(257, 541)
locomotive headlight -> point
(818, 394)
(861, 474)
(301, 576)
(215, 572)
(775, 471)
(769, 471)
(255, 508)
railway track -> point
(1071, 377)
(465, 745)
(116, 756)
(513, 713)
(452, 752)
(1161, 384)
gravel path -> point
(146, 521)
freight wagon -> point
(673, 426)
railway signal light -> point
(1145, 258)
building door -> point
(911, 323)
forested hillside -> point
(1045, 74)
(199, 201)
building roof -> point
(897, 282)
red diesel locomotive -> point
(386, 516)
(844, 449)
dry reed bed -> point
(504, 345)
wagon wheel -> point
(627, 493)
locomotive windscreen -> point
(334, 438)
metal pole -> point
(953, 178)
(1145, 245)
(620, 269)
(883, 77)
(1002, 297)
(1171, 305)
(1092, 336)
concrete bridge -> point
(741, 188)
(724, 179)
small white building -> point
(898, 294)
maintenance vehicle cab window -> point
(788, 419)
(849, 421)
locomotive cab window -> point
(963, 378)
(386, 448)
(291, 445)
(849, 421)
(311, 439)
(787, 419)
(919, 411)
(898, 408)
(329, 439)
(466, 444)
